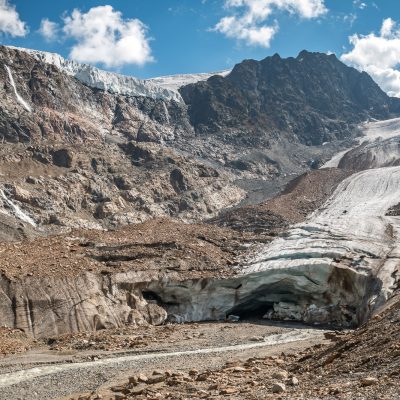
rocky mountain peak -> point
(314, 98)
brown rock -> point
(193, 372)
(142, 378)
(214, 386)
(369, 381)
(239, 369)
(278, 388)
(282, 375)
(133, 380)
(229, 390)
(155, 379)
(202, 378)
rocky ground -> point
(158, 245)
(363, 364)
(14, 341)
(299, 198)
(104, 197)
(146, 338)
(82, 362)
(58, 187)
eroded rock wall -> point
(44, 307)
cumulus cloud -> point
(10, 23)
(249, 20)
(103, 36)
(48, 29)
(379, 55)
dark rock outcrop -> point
(314, 98)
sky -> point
(148, 38)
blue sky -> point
(183, 36)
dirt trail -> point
(52, 380)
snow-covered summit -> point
(165, 88)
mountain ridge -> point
(255, 138)
(162, 87)
(313, 92)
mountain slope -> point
(73, 155)
(314, 98)
(153, 154)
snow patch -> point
(16, 211)
(17, 95)
(174, 82)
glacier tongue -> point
(336, 267)
(351, 226)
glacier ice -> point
(174, 82)
(373, 133)
(165, 88)
(338, 266)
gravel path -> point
(53, 381)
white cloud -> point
(10, 22)
(103, 36)
(48, 29)
(379, 55)
(249, 19)
(251, 34)
(387, 28)
(359, 4)
(350, 18)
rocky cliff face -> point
(153, 154)
(314, 98)
(73, 155)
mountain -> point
(89, 148)
(127, 203)
(74, 155)
(314, 98)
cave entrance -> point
(152, 297)
(252, 309)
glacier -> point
(164, 88)
(174, 82)
(338, 266)
(374, 133)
